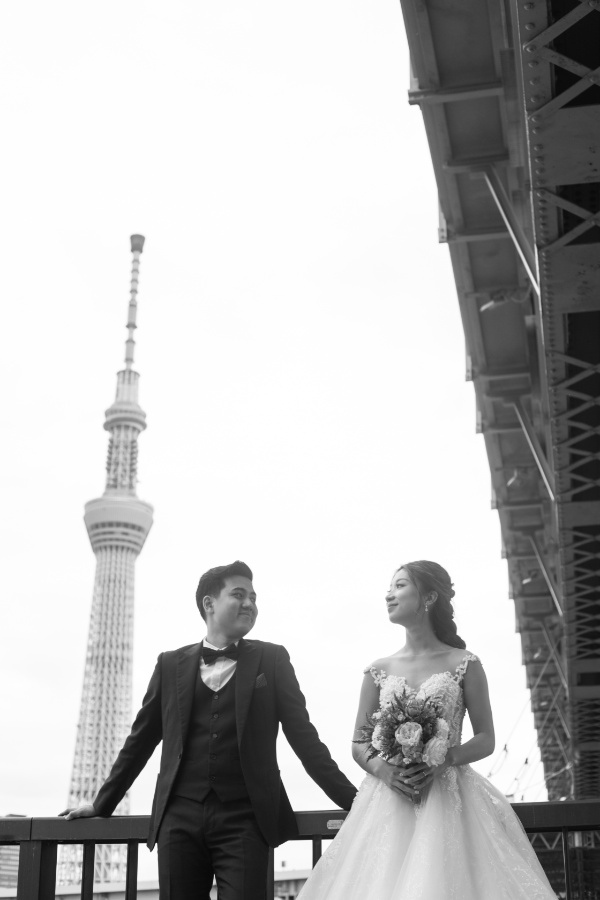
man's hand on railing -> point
(80, 812)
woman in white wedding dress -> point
(429, 833)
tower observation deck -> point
(117, 524)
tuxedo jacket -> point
(267, 693)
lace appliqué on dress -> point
(461, 668)
(450, 781)
(377, 674)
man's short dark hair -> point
(212, 582)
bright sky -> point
(299, 343)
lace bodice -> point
(446, 687)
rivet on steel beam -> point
(533, 63)
(538, 148)
(530, 26)
(535, 80)
(530, 48)
(529, 6)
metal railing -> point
(38, 839)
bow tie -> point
(210, 656)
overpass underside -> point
(510, 97)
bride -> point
(428, 832)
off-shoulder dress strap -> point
(461, 668)
(378, 675)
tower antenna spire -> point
(137, 247)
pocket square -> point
(261, 681)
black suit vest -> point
(211, 760)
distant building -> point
(9, 861)
(9, 865)
(288, 883)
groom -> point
(219, 802)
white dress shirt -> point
(218, 673)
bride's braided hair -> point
(428, 576)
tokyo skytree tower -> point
(117, 524)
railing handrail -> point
(536, 817)
(39, 838)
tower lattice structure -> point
(117, 524)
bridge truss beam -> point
(509, 91)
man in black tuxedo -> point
(219, 802)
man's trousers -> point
(197, 841)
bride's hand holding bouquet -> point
(409, 734)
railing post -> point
(37, 870)
(132, 869)
(567, 863)
(87, 870)
(317, 847)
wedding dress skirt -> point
(461, 842)
(464, 842)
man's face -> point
(233, 613)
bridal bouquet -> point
(406, 730)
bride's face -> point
(403, 601)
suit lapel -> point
(246, 671)
(188, 664)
